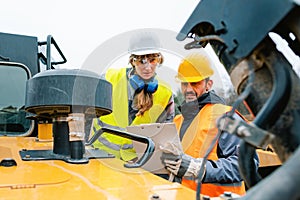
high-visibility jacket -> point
(196, 141)
(119, 146)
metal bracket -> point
(200, 42)
(35, 155)
(247, 131)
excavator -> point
(40, 159)
(240, 33)
(40, 104)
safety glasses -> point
(152, 59)
(194, 85)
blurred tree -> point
(230, 96)
(178, 99)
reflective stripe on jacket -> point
(122, 147)
(196, 141)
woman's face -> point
(145, 65)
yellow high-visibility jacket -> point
(122, 147)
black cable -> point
(201, 171)
(240, 99)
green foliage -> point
(230, 98)
(178, 99)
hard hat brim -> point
(144, 52)
(190, 79)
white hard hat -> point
(144, 43)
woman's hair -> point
(143, 100)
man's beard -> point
(190, 96)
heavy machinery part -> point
(62, 91)
(274, 98)
(23, 177)
(27, 50)
(98, 179)
(49, 62)
(241, 26)
(281, 184)
(13, 120)
(62, 94)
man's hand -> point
(183, 165)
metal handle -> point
(148, 152)
(50, 40)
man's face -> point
(193, 90)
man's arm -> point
(226, 168)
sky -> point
(83, 27)
(80, 27)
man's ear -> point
(209, 84)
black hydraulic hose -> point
(247, 165)
(266, 117)
(281, 90)
(282, 184)
(205, 157)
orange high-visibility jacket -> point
(196, 141)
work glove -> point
(178, 163)
(183, 165)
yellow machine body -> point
(98, 179)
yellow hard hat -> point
(194, 68)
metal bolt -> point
(155, 197)
(243, 131)
(227, 194)
(205, 197)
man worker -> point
(197, 128)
